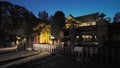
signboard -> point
(77, 48)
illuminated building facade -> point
(86, 30)
(42, 34)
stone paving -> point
(63, 62)
(25, 56)
(35, 59)
(16, 54)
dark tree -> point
(58, 23)
(43, 15)
(117, 17)
(16, 20)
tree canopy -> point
(58, 23)
(16, 20)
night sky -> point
(74, 7)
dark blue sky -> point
(74, 7)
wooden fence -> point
(90, 53)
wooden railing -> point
(83, 54)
